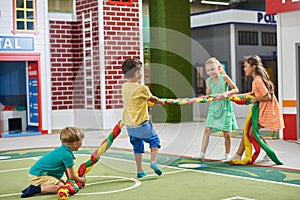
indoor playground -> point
(110, 170)
(62, 65)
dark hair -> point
(255, 60)
(130, 66)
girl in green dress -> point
(220, 114)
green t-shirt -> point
(54, 163)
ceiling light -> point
(222, 3)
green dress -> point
(220, 113)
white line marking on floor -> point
(12, 170)
(137, 183)
(238, 198)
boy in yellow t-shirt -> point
(136, 117)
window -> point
(121, 2)
(268, 39)
(248, 38)
(24, 15)
(62, 6)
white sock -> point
(227, 155)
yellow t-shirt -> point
(135, 96)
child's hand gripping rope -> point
(70, 188)
(251, 119)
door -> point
(32, 93)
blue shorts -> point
(143, 133)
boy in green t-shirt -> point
(45, 175)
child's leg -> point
(239, 153)
(154, 143)
(138, 149)
(138, 159)
(251, 134)
(154, 152)
(205, 140)
(32, 190)
(227, 141)
(52, 188)
(153, 165)
(241, 148)
(41, 184)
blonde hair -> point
(71, 134)
(216, 62)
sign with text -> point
(262, 17)
(278, 6)
(9, 43)
(32, 96)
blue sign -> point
(33, 101)
(8, 43)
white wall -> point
(40, 46)
(288, 31)
(6, 17)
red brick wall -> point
(63, 53)
(85, 6)
(121, 35)
(121, 40)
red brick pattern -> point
(63, 56)
(121, 40)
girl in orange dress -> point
(270, 115)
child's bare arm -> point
(207, 87)
(72, 175)
(267, 97)
(156, 100)
(232, 85)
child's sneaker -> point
(141, 174)
(30, 190)
(200, 157)
(156, 169)
(234, 157)
(266, 158)
(227, 156)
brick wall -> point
(121, 33)
(121, 40)
(85, 6)
(64, 58)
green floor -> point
(114, 178)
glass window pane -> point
(20, 14)
(60, 5)
(30, 26)
(29, 14)
(29, 4)
(20, 3)
(20, 25)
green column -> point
(171, 67)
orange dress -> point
(270, 115)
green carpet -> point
(114, 177)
